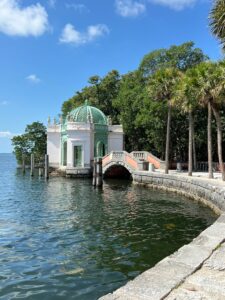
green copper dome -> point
(87, 114)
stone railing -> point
(149, 157)
(54, 128)
(115, 128)
(122, 158)
(79, 126)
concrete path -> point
(200, 175)
(208, 283)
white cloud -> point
(72, 36)
(95, 31)
(175, 4)
(4, 103)
(6, 134)
(130, 8)
(79, 7)
(29, 21)
(52, 3)
(33, 78)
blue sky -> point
(49, 49)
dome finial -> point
(86, 102)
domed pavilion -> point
(84, 134)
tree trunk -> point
(190, 145)
(193, 146)
(194, 152)
(219, 140)
(210, 140)
(168, 139)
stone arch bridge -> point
(124, 164)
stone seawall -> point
(209, 192)
(196, 270)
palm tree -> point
(212, 87)
(218, 94)
(217, 20)
(186, 99)
(161, 87)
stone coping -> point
(196, 270)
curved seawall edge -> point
(171, 277)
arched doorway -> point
(78, 156)
(101, 149)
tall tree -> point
(77, 100)
(129, 102)
(161, 87)
(211, 93)
(101, 92)
(182, 57)
(186, 98)
(34, 140)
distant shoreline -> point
(6, 152)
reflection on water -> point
(64, 239)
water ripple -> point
(63, 239)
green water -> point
(63, 239)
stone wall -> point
(207, 191)
(170, 278)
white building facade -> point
(86, 133)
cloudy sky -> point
(49, 49)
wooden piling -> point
(46, 166)
(94, 173)
(40, 172)
(23, 164)
(99, 179)
(32, 165)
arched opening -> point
(65, 153)
(101, 149)
(118, 171)
(78, 156)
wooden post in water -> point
(23, 164)
(99, 180)
(94, 173)
(46, 166)
(40, 172)
(32, 165)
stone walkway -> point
(197, 270)
(217, 178)
(208, 283)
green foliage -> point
(181, 57)
(139, 100)
(77, 100)
(187, 91)
(206, 83)
(129, 103)
(34, 141)
(162, 84)
(217, 20)
(152, 119)
(100, 93)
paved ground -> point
(217, 178)
(208, 283)
(203, 175)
